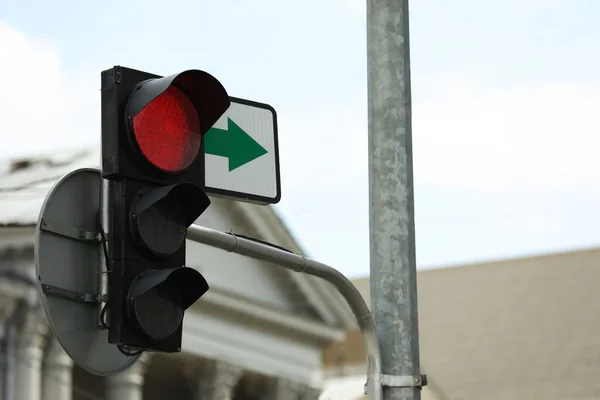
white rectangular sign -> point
(242, 154)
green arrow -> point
(233, 143)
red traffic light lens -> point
(168, 132)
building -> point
(258, 333)
(517, 329)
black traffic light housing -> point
(152, 151)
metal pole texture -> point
(296, 262)
(393, 272)
(106, 193)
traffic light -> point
(152, 151)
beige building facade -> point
(517, 329)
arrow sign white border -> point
(247, 197)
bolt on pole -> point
(393, 272)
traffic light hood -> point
(207, 94)
(161, 216)
(189, 196)
(158, 299)
(187, 281)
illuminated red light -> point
(168, 131)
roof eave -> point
(16, 235)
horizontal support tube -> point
(296, 262)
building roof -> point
(25, 182)
(525, 328)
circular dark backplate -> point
(67, 263)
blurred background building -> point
(517, 329)
(513, 329)
(257, 334)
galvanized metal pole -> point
(391, 211)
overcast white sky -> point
(506, 107)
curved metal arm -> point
(254, 249)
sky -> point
(506, 102)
